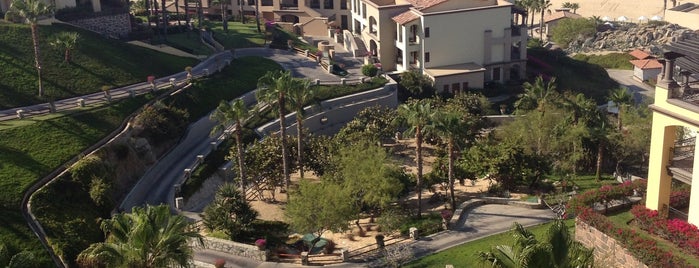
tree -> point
(262, 166)
(31, 11)
(543, 6)
(66, 41)
(621, 98)
(538, 95)
(272, 90)
(233, 112)
(568, 30)
(146, 237)
(299, 95)
(224, 12)
(572, 6)
(372, 123)
(451, 127)
(319, 207)
(419, 85)
(558, 250)
(417, 114)
(229, 212)
(257, 15)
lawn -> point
(30, 152)
(188, 42)
(239, 35)
(608, 61)
(466, 255)
(96, 62)
(571, 74)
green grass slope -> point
(96, 62)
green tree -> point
(365, 172)
(262, 166)
(31, 11)
(572, 6)
(67, 41)
(146, 237)
(272, 90)
(621, 99)
(229, 212)
(568, 30)
(235, 113)
(537, 95)
(224, 12)
(542, 5)
(372, 123)
(558, 250)
(419, 85)
(418, 115)
(300, 94)
(319, 207)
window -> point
(363, 10)
(413, 34)
(427, 32)
(267, 3)
(251, 2)
(456, 87)
(413, 57)
(329, 4)
(465, 85)
(315, 4)
(400, 33)
(344, 22)
(427, 57)
(496, 74)
(343, 4)
(446, 88)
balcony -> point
(289, 5)
(682, 162)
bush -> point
(369, 70)
(569, 30)
(608, 61)
(604, 194)
(681, 233)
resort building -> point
(675, 113)
(458, 43)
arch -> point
(372, 25)
(373, 48)
(290, 18)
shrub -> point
(568, 30)
(603, 194)
(370, 70)
(681, 233)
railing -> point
(371, 252)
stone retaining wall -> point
(606, 249)
(233, 248)
(116, 26)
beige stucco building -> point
(458, 43)
(5, 4)
(676, 107)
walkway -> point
(638, 89)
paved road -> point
(625, 79)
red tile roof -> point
(640, 54)
(422, 4)
(405, 17)
(559, 15)
(646, 64)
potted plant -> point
(188, 69)
(261, 243)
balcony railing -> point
(682, 163)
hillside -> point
(96, 62)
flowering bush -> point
(260, 243)
(446, 214)
(645, 250)
(680, 198)
(681, 233)
(604, 194)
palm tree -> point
(224, 12)
(228, 113)
(146, 237)
(66, 41)
(31, 11)
(272, 90)
(418, 115)
(299, 95)
(559, 250)
(451, 126)
(537, 95)
(543, 6)
(620, 97)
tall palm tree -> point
(299, 95)
(621, 98)
(31, 11)
(559, 250)
(272, 90)
(235, 113)
(452, 126)
(146, 237)
(543, 6)
(537, 95)
(418, 115)
(66, 41)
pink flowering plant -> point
(260, 242)
(681, 233)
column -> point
(659, 179)
(694, 197)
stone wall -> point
(607, 249)
(233, 248)
(649, 37)
(115, 26)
